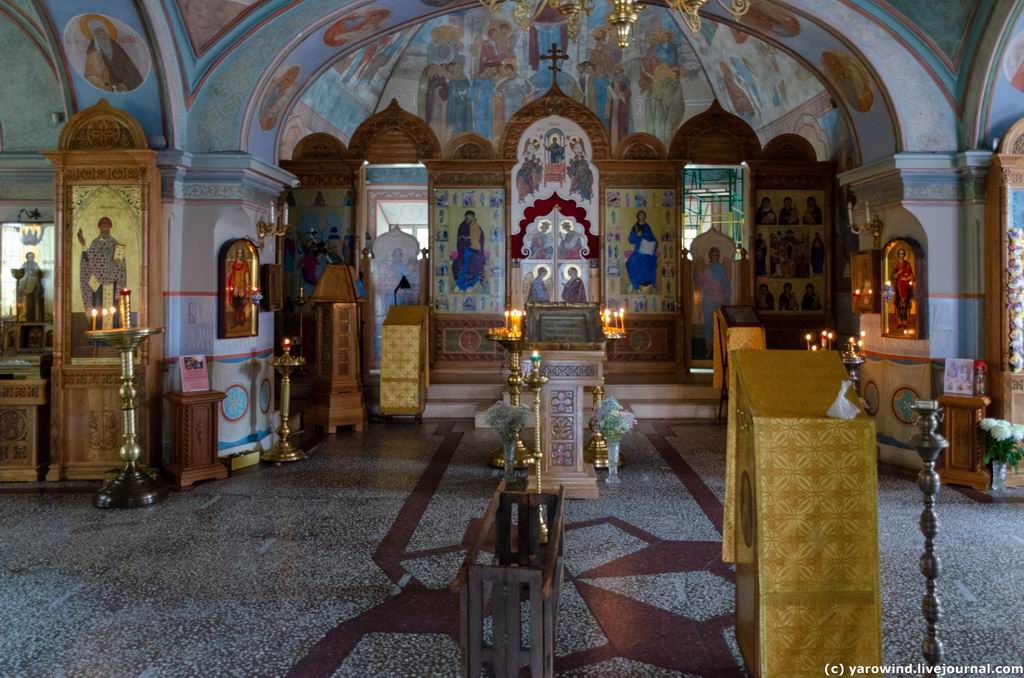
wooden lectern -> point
(404, 371)
(801, 517)
(336, 397)
(194, 419)
(962, 463)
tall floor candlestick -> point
(535, 380)
(133, 487)
(929, 444)
(283, 451)
(515, 347)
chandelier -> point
(623, 15)
(690, 10)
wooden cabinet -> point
(962, 463)
(194, 438)
(24, 429)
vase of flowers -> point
(1002, 449)
(507, 420)
(613, 421)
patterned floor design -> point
(340, 565)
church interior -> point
(512, 337)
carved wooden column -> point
(106, 186)
(337, 395)
(194, 438)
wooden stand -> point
(570, 373)
(962, 463)
(23, 440)
(194, 419)
(526, 570)
(336, 398)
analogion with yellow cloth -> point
(736, 337)
(404, 373)
(801, 517)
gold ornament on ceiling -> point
(689, 10)
(623, 15)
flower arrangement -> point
(612, 420)
(1015, 297)
(507, 420)
(1002, 441)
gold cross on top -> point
(555, 55)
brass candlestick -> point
(929, 444)
(515, 347)
(596, 451)
(133, 487)
(535, 380)
(17, 274)
(301, 302)
(283, 451)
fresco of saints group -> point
(546, 162)
(473, 70)
(469, 249)
(790, 252)
(640, 253)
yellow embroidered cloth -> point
(403, 360)
(801, 517)
(736, 338)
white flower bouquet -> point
(612, 420)
(1002, 441)
(507, 420)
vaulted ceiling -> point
(209, 76)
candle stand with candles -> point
(596, 450)
(536, 381)
(132, 487)
(510, 337)
(283, 451)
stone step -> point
(630, 392)
(678, 409)
(465, 391)
(451, 409)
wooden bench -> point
(524, 569)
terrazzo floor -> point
(339, 565)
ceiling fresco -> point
(250, 75)
(471, 70)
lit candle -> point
(535, 359)
(860, 344)
(808, 337)
(622, 319)
(863, 333)
(856, 292)
(830, 338)
(104, 321)
(814, 348)
(286, 344)
(113, 312)
(126, 307)
(94, 314)
(507, 319)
